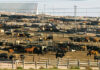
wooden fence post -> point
(33, 58)
(48, 60)
(39, 58)
(57, 62)
(88, 62)
(99, 65)
(35, 65)
(46, 65)
(78, 63)
(67, 63)
(12, 64)
(23, 64)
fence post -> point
(33, 58)
(99, 65)
(78, 63)
(23, 64)
(35, 65)
(46, 65)
(88, 62)
(48, 60)
(39, 58)
(57, 62)
(67, 63)
(12, 63)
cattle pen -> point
(46, 63)
(44, 41)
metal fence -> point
(48, 63)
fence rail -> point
(59, 63)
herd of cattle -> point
(85, 39)
(6, 57)
(60, 49)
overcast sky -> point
(52, 5)
(62, 3)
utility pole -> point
(75, 14)
(44, 6)
(36, 8)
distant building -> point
(19, 7)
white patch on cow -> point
(73, 50)
(43, 47)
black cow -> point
(38, 50)
(3, 56)
(50, 37)
(96, 48)
(1, 43)
(11, 57)
(22, 57)
(96, 57)
(59, 55)
(89, 53)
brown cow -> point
(92, 52)
(96, 39)
(84, 48)
(87, 38)
(29, 49)
(10, 50)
